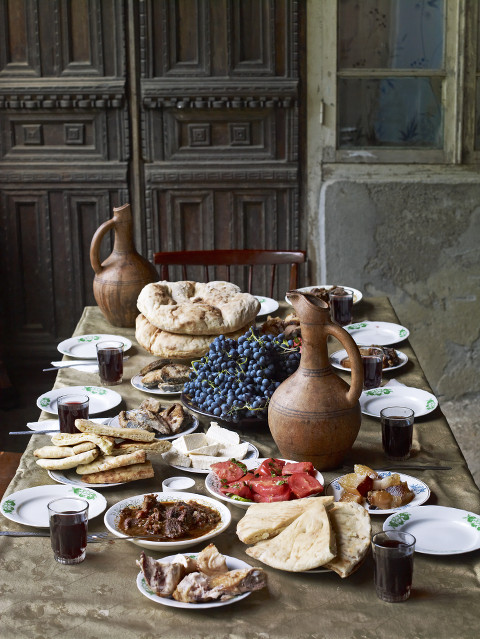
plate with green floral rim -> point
(232, 564)
(29, 506)
(338, 357)
(267, 305)
(420, 401)
(72, 478)
(101, 399)
(380, 333)
(438, 530)
(84, 346)
(357, 295)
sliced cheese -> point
(216, 433)
(203, 462)
(187, 443)
(211, 449)
(237, 451)
(176, 458)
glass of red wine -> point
(68, 518)
(372, 360)
(71, 407)
(110, 362)
(341, 302)
(393, 565)
(397, 432)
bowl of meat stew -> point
(167, 521)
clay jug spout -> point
(309, 307)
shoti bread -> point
(123, 474)
(263, 521)
(59, 452)
(195, 308)
(161, 446)
(70, 439)
(137, 434)
(353, 530)
(69, 462)
(164, 344)
(308, 542)
(110, 462)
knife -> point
(14, 533)
(33, 432)
(90, 362)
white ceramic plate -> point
(137, 383)
(29, 506)
(380, 333)
(232, 564)
(101, 399)
(212, 482)
(52, 424)
(112, 516)
(252, 454)
(357, 295)
(84, 346)
(438, 530)
(193, 427)
(374, 400)
(268, 305)
(337, 357)
(71, 478)
(421, 490)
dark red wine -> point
(393, 574)
(341, 309)
(68, 413)
(372, 371)
(397, 435)
(110, 365)
(68, 535)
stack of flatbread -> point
(102, 454)
(181, 319)
(307, 533)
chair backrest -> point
(234, 257)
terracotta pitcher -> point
(314, 415)
(121, 277)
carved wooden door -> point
(189, 109)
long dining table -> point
(99, 598)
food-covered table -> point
(99, 598)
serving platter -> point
(420, 401)
(420, 488)
(136, 382)
(29, 506)
(232, 564)
(101, 399)
(357, 295)
(228, 423)
(252, 454)
(212, 483)
(267, 305)
(114, 423)
(367, 333)
(438, 530)
(84, 346)
(72, 478)
(337, 358)
(112, 516)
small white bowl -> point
(176, 484)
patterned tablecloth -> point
(99, 598)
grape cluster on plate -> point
(236, 379)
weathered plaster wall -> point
(417, 241)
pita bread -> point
(161, 446)
(59, 452)
(308, 542)
(164, 344)
(195, 308)
(118, 475)
(69, 462)
(109, 462)
(69, 439)
(137, 434)
(263, 521)
(353, 531)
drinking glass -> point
(372, 360)
(393, 565)
(68, 518)
(110, 362)
(71, 407)
(341, 302)
(397, 432)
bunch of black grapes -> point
(236, 379)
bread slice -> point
(160, 446)
(119, 475)
(137, 434)
(109, 462)
(69, 462)
(70, 439)
(60, 452)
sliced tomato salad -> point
(273, 480)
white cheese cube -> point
(222, 435)
(203, 462)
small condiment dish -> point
(176, 484)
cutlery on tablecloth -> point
(92, 538)
(81, 362)
(408, 467)
(33, 432)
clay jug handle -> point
(95, 245)
(353, 353)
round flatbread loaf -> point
(195, 308)
(164, 344)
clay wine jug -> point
(121, 277)
(314, 415)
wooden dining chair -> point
(234, 257)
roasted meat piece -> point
(158, 363)
(175, 374)
(152, 405)
(138, 419)
(211, 562)
(176, 417)
(162, 578)
(391, 497)
(197, 587)
(153, 379)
